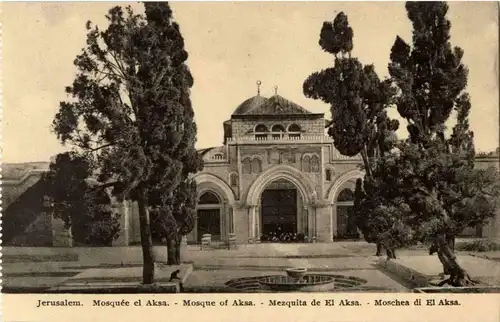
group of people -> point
(284, 237)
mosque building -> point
(277, 173)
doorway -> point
(278, 212)
(209, 223)
(209, 216)
(346, 222)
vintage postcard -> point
(247, 161)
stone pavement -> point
(493, 255)
(38, 267)
(272, 259)
(424, 270)
(108, 278)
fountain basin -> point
(341, 283)
(304, 283)
(296, 273)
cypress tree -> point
(358, 102)
(129, 109)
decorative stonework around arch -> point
(218, 182)
(286, 172)
(342, 179)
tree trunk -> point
(174, 251)
(178, 250)
(458, 276)
(390, 252)
(366, 162)
(148, 269)
(170, 251)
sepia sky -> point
(231, 46)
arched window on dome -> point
(294, 131)
(247, 166)
(314, 163)
(278, 131)
(261, 132)
(261, 128)
(256, 166)
(218, 156)
(306, 164)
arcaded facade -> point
(277, 172)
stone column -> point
(334, 220)
(305, 220)
(231, 220)
(251, 224)
(257, 224)
(223, 223)
(299, 217)
(312, 211)
(324, 231)
(240, 224)
(123, 209)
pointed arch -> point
(202, 178)
(338, 182)
(303, 184)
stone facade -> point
(269, 144)
(262, 149)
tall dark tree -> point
(175, 216)
(429, 182)
(84, 209)
(358, 102)
(128, 110)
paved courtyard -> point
(34, 269)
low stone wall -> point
(84, 256)
(411, 276)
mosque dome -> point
(249, 105)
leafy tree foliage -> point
(87, 211)
(176, 216)
(357, 97)
(358, 102)
(336, 37)
(427, 188)
(130, 110)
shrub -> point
(478, 245)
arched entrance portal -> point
(346, 225)
(281, 218)
(209, 216)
